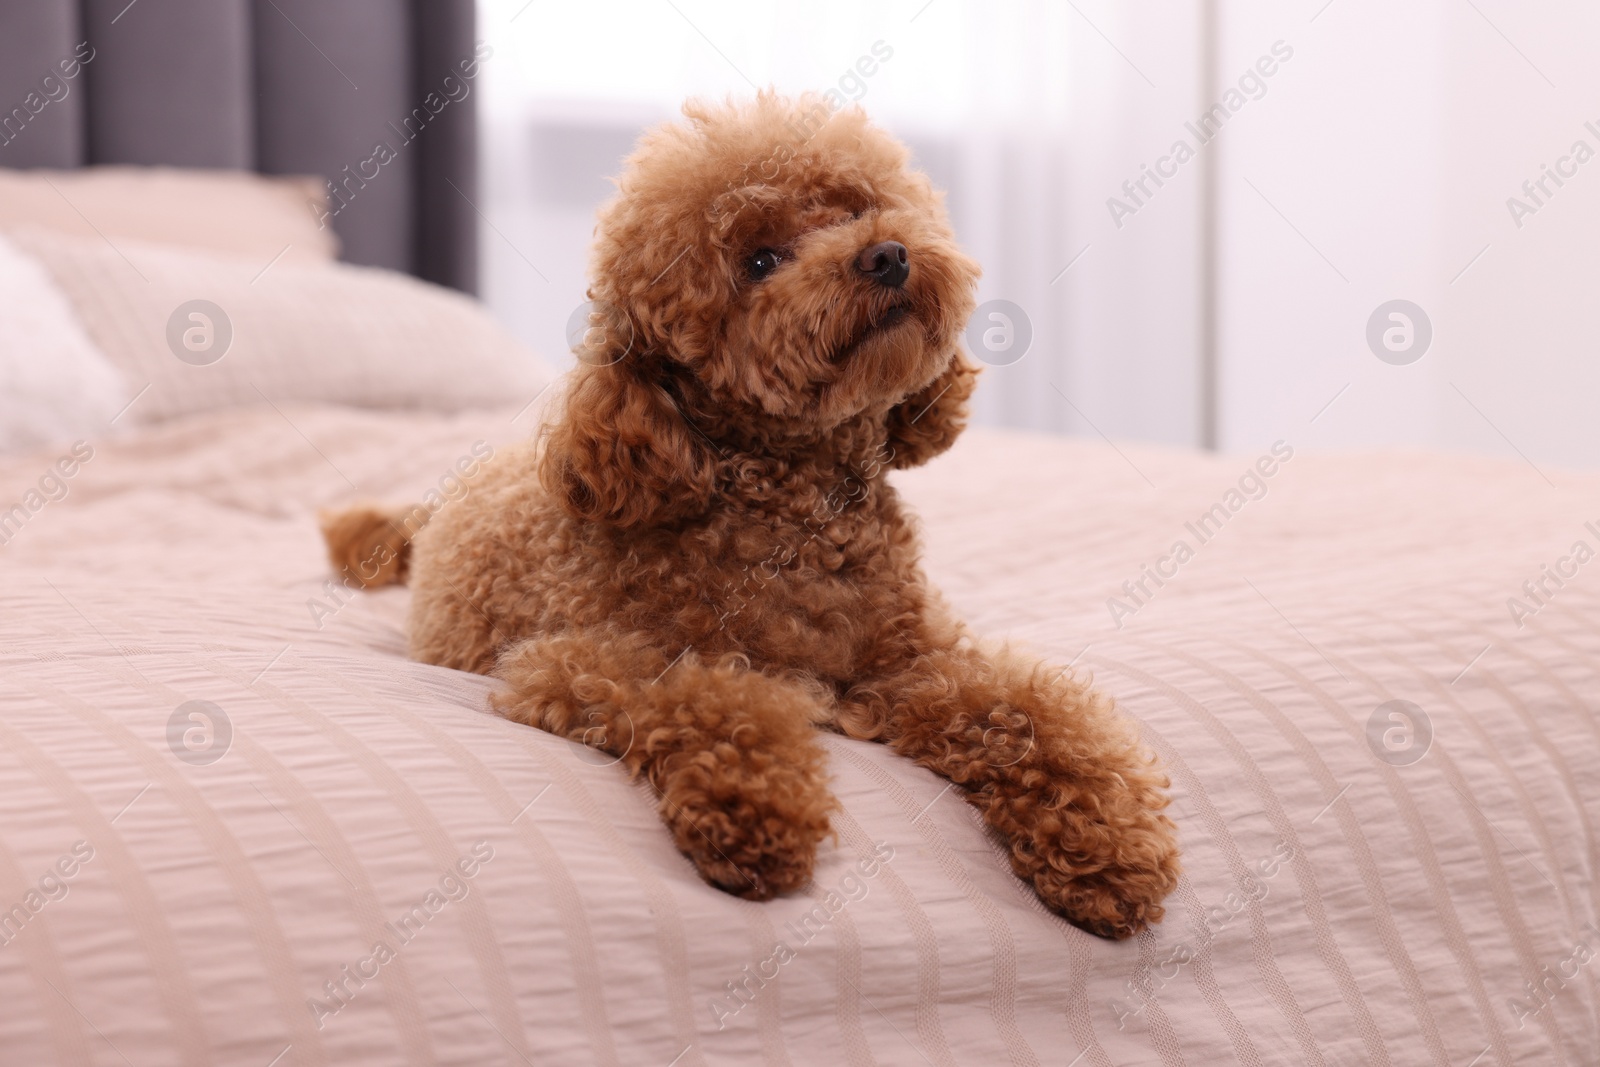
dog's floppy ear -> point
(929, 420)
(622, 453)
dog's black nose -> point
(887, 262)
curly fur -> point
(704, 562)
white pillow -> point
(211, 331)
(55, 385)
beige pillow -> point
(210, 331)
(248, 215)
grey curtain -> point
(374, 95)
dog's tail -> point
(370, 545)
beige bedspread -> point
(339, 858)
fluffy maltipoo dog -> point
(703, 562)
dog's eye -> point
(762, 262)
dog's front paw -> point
(1119, 898)
(751, 826)
(1103, 857)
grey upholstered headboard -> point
(276, 86)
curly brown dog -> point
(705, 562)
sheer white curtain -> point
(1032, 114)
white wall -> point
(1328, 207)
(1392, 145)
(1521, 323)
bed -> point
(1342, 903)
(238, 826)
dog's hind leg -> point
(732, 753)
